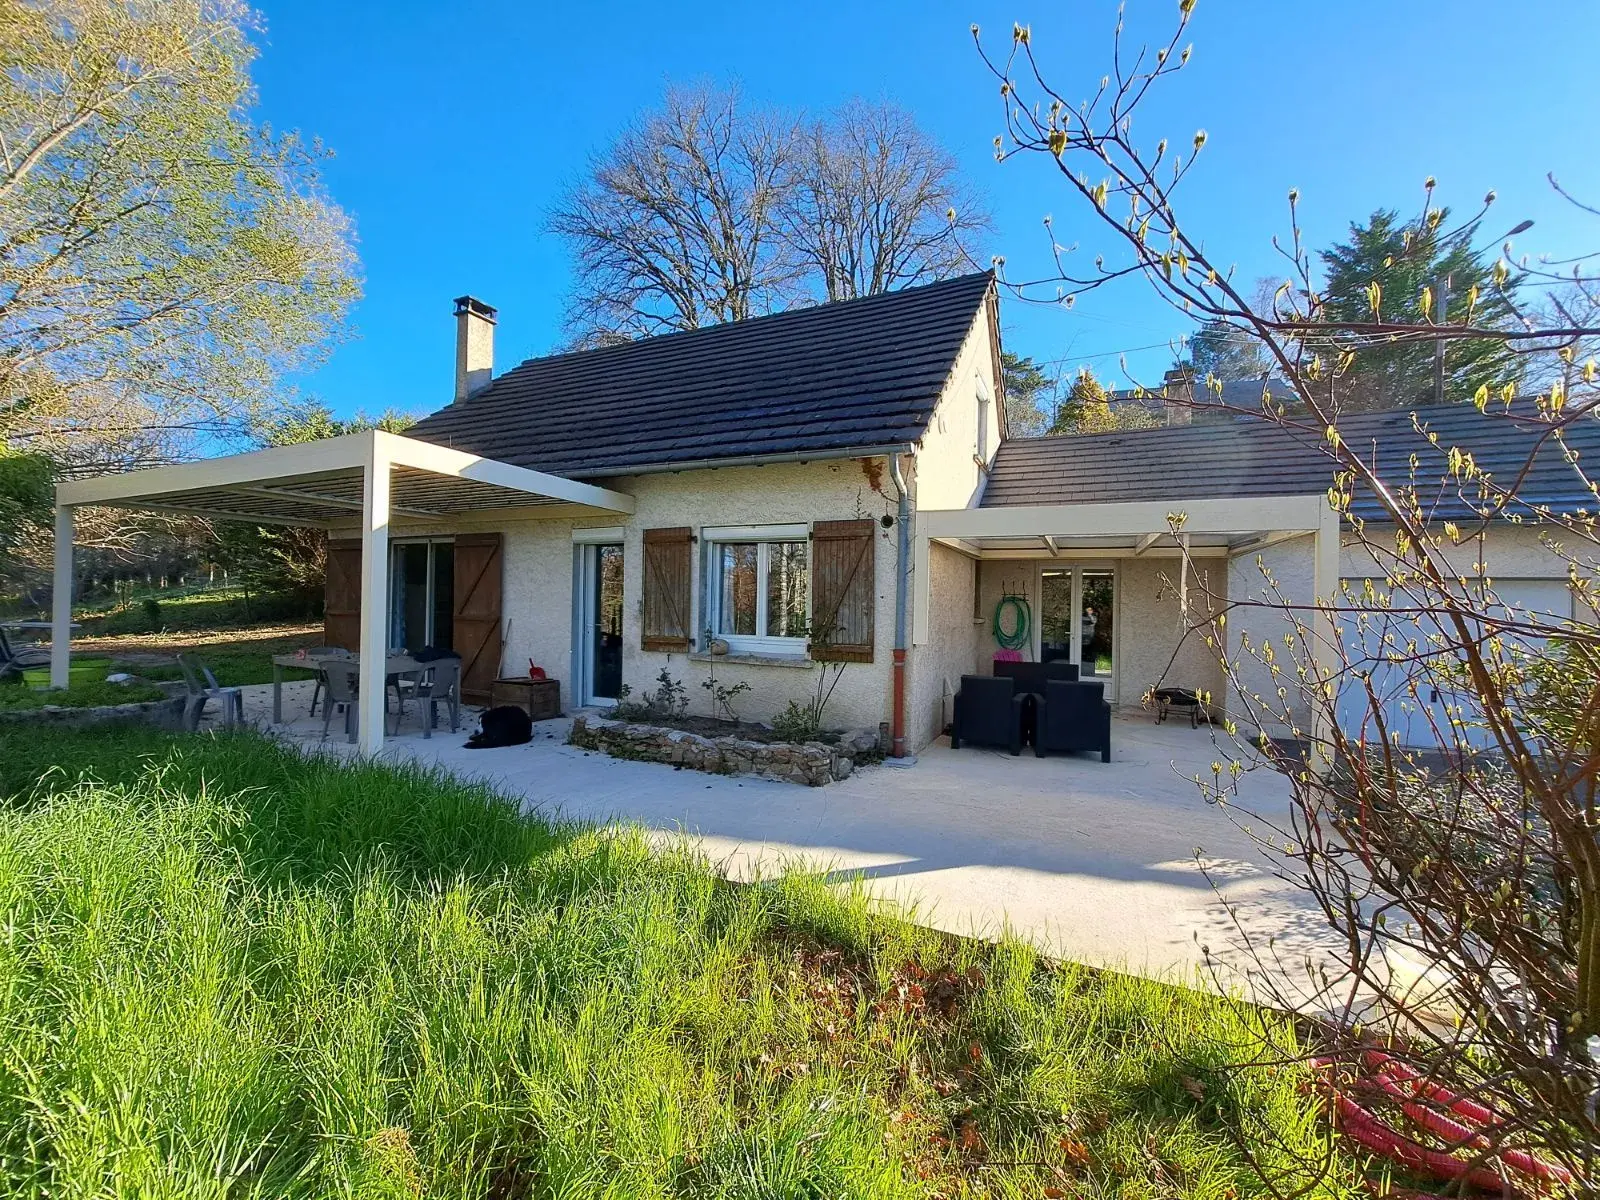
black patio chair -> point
(1030, 678)
(1073, 717)
(14, 660)
(988, 712)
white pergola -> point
(365, 477)
(1220, 528)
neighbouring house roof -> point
(1256, 457)
(860, 375)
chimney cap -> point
(471, 304)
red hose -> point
(1437, 1122)
(1366, 1130)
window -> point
(758, 588)
(983, 422)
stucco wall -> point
(1156, 644)
(829, 491)
(947, 473)
(951, 650)
(1291, 566)
(1509, 551)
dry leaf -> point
(1193, 1086)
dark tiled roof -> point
(1255, 457)
(857, 374)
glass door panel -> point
(1055, 616)
(603, 609)
(1095, 617)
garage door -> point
(1408, 665)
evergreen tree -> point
(1404, 259)
(1026, 386)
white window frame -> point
(712, 539)
(984, 400)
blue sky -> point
(456, 128)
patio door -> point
(422, 595)
(1077, 621)
(598, 610)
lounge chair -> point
(988, 712)
(1073, 717)
(14, 661)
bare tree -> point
(716, 211)
(675, 227)
(1458, 862)
(878, 204)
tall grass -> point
(228, 970)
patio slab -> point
(1093, 862)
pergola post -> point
(61, 602)
(374, 595)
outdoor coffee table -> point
(1169, 698)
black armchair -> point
(1073, 717)
(1032, 676)
(988, 712)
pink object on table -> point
(1008, 656)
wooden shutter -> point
(843, 589)
(668, 571)
(341, 595)
(477, 631)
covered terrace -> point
(359, 479)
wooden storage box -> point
(539, 698)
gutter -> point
(901, 591)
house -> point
(829, 484)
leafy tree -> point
(1026, 387)
(1222, 351)
(26, 498)
(1406, 261)
(165, 260)
(710, 210)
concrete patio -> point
(1093, 862)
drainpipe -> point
(901, 591)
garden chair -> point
(441, 683)
(988, 712)
(202, 685)
(1073, 717)
(316, 656)
(342, 679)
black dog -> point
(507, 725)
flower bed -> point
(810, 763)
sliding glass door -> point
(421, 595)
(1077, 620)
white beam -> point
(1255, 544)
(1126, 518)
(1050, 545)
(441, 460)
(1148, 540)
(224, 514)
(292, 494)
(166, 483)
(61, 602)
(374, 598)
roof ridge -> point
(681, 335)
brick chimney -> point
(1177, 385)
(475, 323)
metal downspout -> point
(901, 592)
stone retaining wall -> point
(163, 714)
(810, 763)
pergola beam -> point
(1050, 545)
(298, 494)
(442, 460)
(1148, 540)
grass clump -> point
(17, 697)
(229, 970)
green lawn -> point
(17, 697)
(230, 970)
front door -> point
(600, 629)
(1077, 613)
